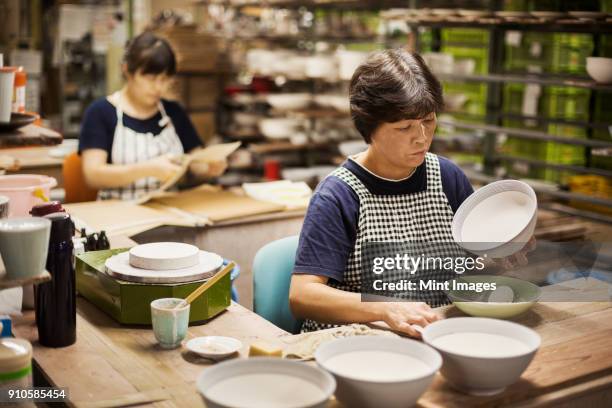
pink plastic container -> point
(20, 189)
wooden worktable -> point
(111, 365)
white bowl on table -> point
(289, 101)
(600, 69)
(377, 375)
(483, 363)
(497, 219)
(279, 128)
(265, 382)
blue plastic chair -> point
(272, 269)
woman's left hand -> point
(208, 169)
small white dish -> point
(214, 347)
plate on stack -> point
(163, 262)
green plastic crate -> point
(602, 114)
(476, 93)
(554, 102)
(570, 51)
(567, 103)
(562, 53)
(479, 55)
(474, 36)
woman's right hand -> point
(400, 316)
(163, 168)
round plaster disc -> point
(119, 267)
(162, 256)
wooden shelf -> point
(30, 135)
(14, 283)
(276, 147)
(549, 80)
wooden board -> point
(217, 205)
(30, 135)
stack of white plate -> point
(163, 262)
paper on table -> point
(217, 152)
(291, 194)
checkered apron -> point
(425, 216)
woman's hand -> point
(400, 316)
(163, 168)
(205, 170)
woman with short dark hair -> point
(395, 191)
(129, 138)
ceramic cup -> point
(7, 79)
(4, 206)
(24, 244)
(169, 323)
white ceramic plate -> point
(161, 256)
(119, 267)
(214, 347)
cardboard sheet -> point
(122, 217)
(216, 205)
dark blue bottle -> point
(56, 300)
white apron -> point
(131, 147)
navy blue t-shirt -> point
(100, 120)
(330, 226)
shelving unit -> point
(489, 126)
(494, 121)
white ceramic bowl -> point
(214, 347)
(600, 69)
(357, 392)
(482, 375)
(286, 384)
(279, 128)
(289, 101)
(493, 222)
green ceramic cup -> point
(169, 322)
